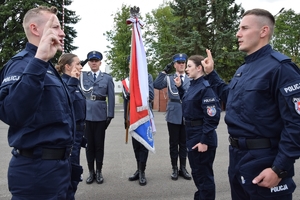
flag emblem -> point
(211, 110)
(297, 105)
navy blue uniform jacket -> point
(35, 103)
(200, 102)
(263, 101)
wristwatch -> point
(280, 173)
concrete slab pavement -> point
(119, 164)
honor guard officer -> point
(262, 114)
(70, 68)
(99, 114)
(177, 136)
(36, 104)
(140, 151)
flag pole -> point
(127, 122)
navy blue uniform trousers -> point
(244, 166)
(201, 164)
(46, 182)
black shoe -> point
(174, 175)
(135, 176)
(91, 177)
(99, 177)
(183, 172)
(142, 178)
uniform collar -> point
(259, 53)
(97, 73)
(195, 81)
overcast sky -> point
(97, 18)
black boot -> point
(142, 177)
(174, 175)
(183, 172)
(135, 176)
(99, 177)
(90, 179)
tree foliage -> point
(208, 24)
(158, 37)
(286, 35)
(191, 26)
(12, 36)
(119, 48)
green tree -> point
(158, 36)
(286, 34)
(12, 36)
(120, 41)
(212, 24)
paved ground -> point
(119, 164)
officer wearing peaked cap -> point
(140, 151)
(100, 108)
(179, 57)
(94, 55)
(176, 128)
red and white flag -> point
(141, 119)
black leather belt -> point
(80, 127)
(176, 100)
(47, 153)
(259, 143)
(100, 98)
(193, 122)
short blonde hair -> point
(35, 13)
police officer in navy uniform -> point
(36, 104)
(262, 113)
(177, 136)
(140, 151)
(100, 109)
(201, 111)
(69, 67)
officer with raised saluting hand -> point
(177, 136)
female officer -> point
(201, 112)
(69, 66)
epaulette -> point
(280, 57)
(206, 83)
(283, 58)
(20, 55)
(106, 73)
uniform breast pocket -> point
(257, 91)
(101, 85)
(257, 85)
(232, 83)
(54, 98)
(231, 86)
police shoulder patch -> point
(291, 89)
(209, 100)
